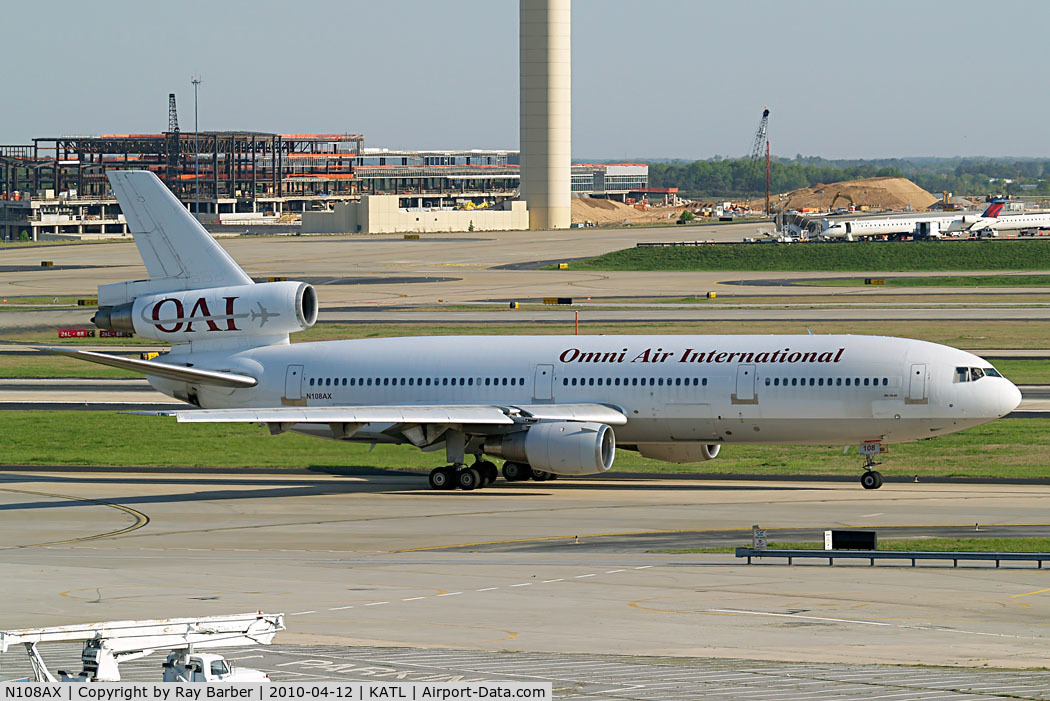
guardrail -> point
(873, 555)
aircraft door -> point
(917, 384)
(544, 382)
(745, 383)
(293, 382)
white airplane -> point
(885, 225)
(547, 405)
(993, 220)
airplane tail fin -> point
(172, 243)
(196, 293)
(993, 210)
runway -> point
(50, 320)
(449, 269)
(352, 560)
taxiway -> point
(382, 560)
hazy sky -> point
(660, 79)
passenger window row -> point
(634, 381)
(417, 381)
(827, 382)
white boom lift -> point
(107, 644)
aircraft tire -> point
(468, 479)
(541, 475)
(488, 471)
(442, 478)
(516, 471)
(871, 480)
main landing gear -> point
(483, 473)
(520, 472)
(871, 479)
(478, 475)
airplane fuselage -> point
(715, 389)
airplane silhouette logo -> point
(262, 314)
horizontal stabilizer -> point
(410, 414)
(149, 367)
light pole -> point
(196, 80)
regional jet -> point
(545, 405)
(994, 219)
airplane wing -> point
(406, 414)
(149, 367)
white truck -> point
(185, 666)
(108, 644)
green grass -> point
(944, 281)
(966, 545)
(42, 365)
(1016, 448)
(1024, 372)
(859, 256)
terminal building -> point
(56, 187)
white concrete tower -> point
(545, 111)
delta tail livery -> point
(546, 405)
(1000, 215)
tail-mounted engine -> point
(266, 309)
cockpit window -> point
(974, 374)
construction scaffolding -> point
(232, 165)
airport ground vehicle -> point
(183, 666)
(109, 643)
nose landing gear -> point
(871, 479)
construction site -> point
(56, 187)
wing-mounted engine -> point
(560, 447)
(265, 310)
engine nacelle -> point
(680, 452)
(266, 309)
(561, 447)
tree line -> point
(737, 177)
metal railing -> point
(873, 555)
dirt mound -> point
(607, 212)
(601, 204)
(876, 193)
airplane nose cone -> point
(1009, 399)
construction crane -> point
(171, 172)
(753, 166)
(173, 115)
